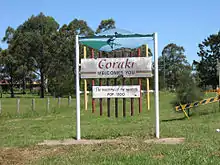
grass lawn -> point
(20, 134)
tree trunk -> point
(31, 86)
(24, 85)
(11, 88)
(42, 84)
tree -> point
(9, 33)
(187, 89)
(41, 48)
(105, 25)
(32, 42)
(172, 63)
(209, 51)
(8, 38)
(10, 63)
(62, 79)
(9, 69)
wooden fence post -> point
(54, 95)
(18, 106)
(69, 101)
(59, 101)
(33, 104)
(48, 104)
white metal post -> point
(77, 91)
(156, 85)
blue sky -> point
(184, 22)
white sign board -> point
(116, 91)
(116, 67)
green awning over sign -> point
(115, 39)
(94, 44)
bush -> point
(187, 90)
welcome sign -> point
(116, 67)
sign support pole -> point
(139, 81)
(148, 88)
(156, 85)
(77, 91)
(100, 83)
(93, 84)
(116, 99)
(123, 83)
(85, 84)
(132, 100)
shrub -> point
(187, 90)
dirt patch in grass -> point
(75, 142)
(166, 141)
(114, 141)
(20, 156)
(160, 156)
(49, 148)
(215, 154)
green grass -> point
(21, 132)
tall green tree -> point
(10, 66)
(209, 51)
(33, 43)
(172, 63)
(17, 51)
(106, 25)
(187, 90)
(62, 79)
(9, 69)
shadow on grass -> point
(176, 119)
(207, 113)
(192, 114)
